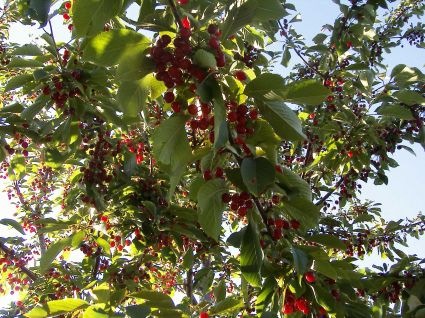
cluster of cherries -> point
(22, 142)
(293, 304)
(60, 90)
(65, 15)
(96, 173)
(137, 148)
(239, 202)
(250, 55)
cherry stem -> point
(175, 13)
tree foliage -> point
(162, 165)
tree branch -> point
(11, 254)
(327, 195)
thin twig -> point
(298, 52)
(54, 43)
(327, 195)
(175, 13)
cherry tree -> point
(161, 166)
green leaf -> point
(39, 10)
(228, 305)
(308, 92)
(283, 120)
(188, 259)
(263, 85)
(77, 239)
(286, 57)
(134, 66)
(327, 240)
(265, 138)
(410, 97)
(323, 297)
(132, 97)
(211, 207)
(257, 174)
(154, 298)
(137, 311)
(108, 48)
(96, 311)
(265, 296)
(28, 50)
(13, 223)
(235, 239)
(300, 260)
(293, 184)
(18, 62)
(104, 245)
(220, 290)
(205, 59)
(90, 16)
(326, 268)
(251, 257)
(396, 111)
(238, 17)
(57, 307)
(170, 143)
(251, 10)
(272, 87)
(303, 210)
(52, 252)
(268, 10)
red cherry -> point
(175, 106)
(225, 197)
(46, 90)
(67, 5)
(242, 211)
(244, 196)
(164, 40)
(219, 172)
(207, 175)
(232, 117)
(288, 308)
(240, 75)
(220, 59)
(213, 29)
(275, 199)
(186, 23)
(310, 277)
(350, 154)
(214, 43)
(302, 305)
(277, 234)
(253, 114)
(192, 109)
(203, 315)
(183, 2)
(169, 97)
(204, 123)
(185, 32)
(66, 16)
(295, 224)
